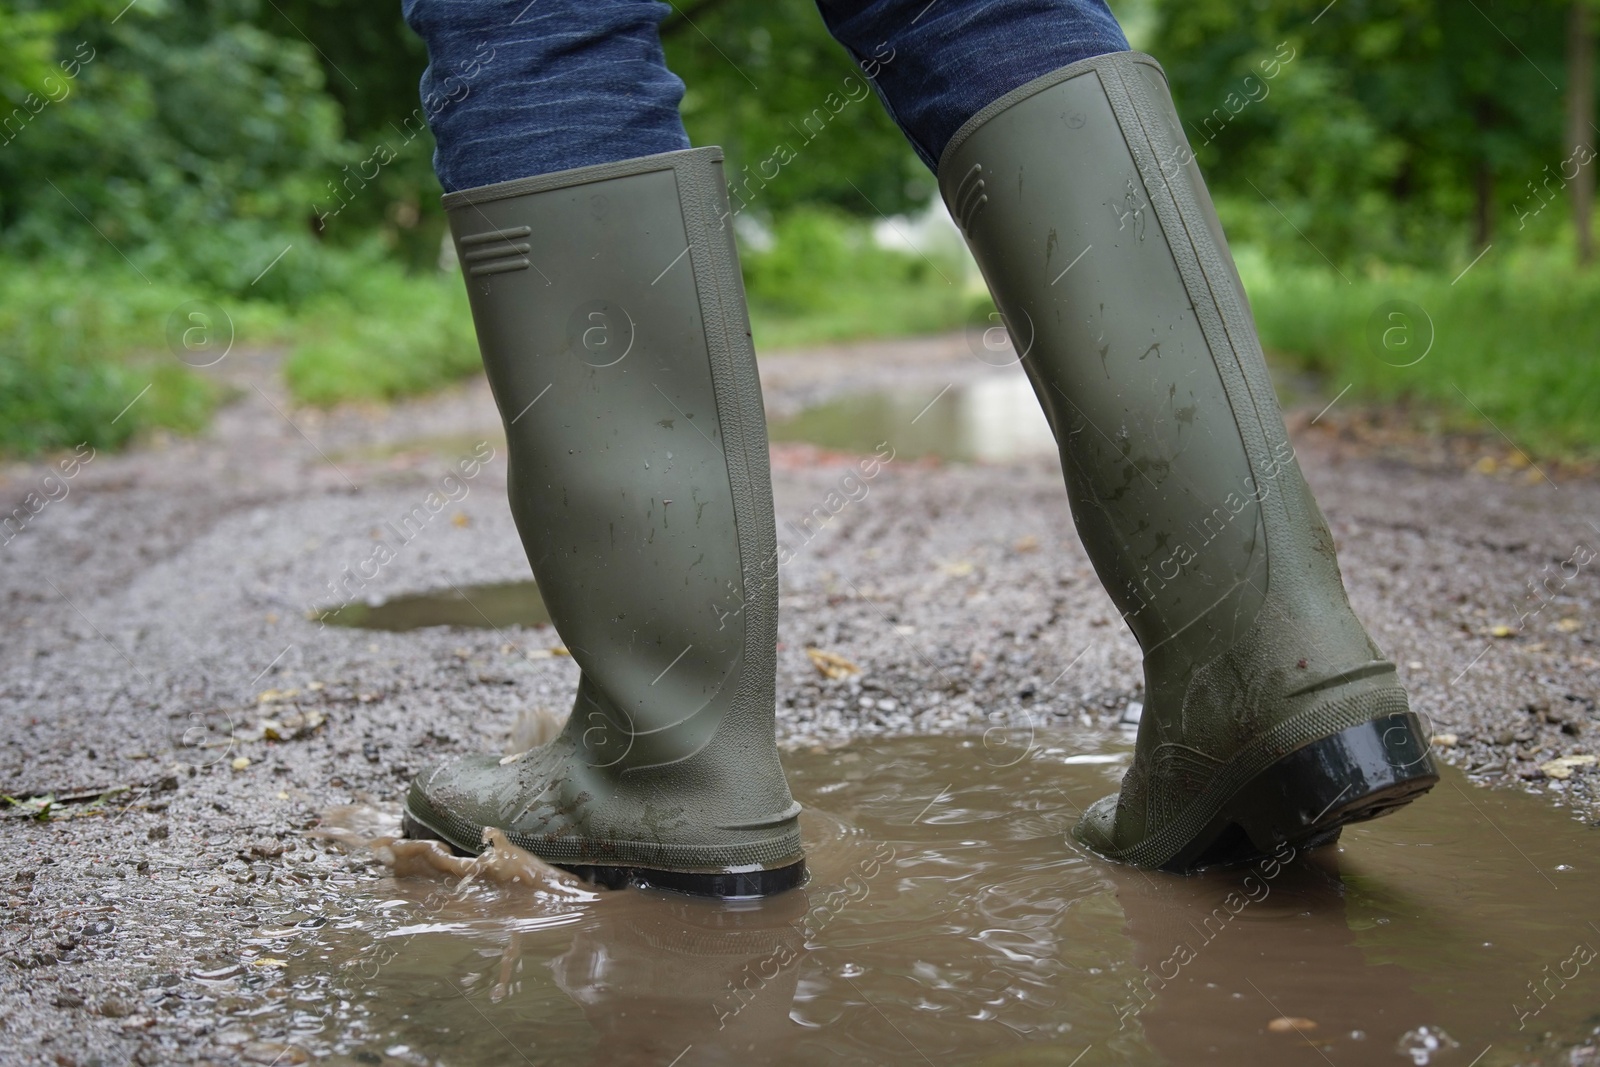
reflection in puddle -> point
(949, 919)
(991, 419)
(491, 607)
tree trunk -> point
(1580, 122)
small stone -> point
(1563, 767)
(1289, 1024)
(115, 1008)
(240, 762)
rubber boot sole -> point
(1306, 798)
(725, 884)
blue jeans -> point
(516, 88)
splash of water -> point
(373, 827)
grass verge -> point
(1510, 346)
(385, 335)
(82, 360)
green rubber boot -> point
(611, 317)
(1270, 716)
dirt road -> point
(154, 615)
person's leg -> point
(610, 313)
(935, 64)
(515, 89)
(1269, 716)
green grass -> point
(78, 347)
(823, 280)
(85, 360)
(385, 335)
(1514, 343)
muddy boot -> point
(1270, 716)
(611, 318)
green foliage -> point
(385, 334)
(188, 143)
(76, 352)
(756, 71)
(1512, 342)
(823, 279)
(371, 64)
(194, 142)
(1398, 131)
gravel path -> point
(158, 609)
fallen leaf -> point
(1027, 543)
(831, 664)
(1568, 626)
(272, 696)
(295, 724)
(1288, 1024)
(1562, 767)
(1502, 631)
(33, 807)
(460, 519)
(1486, 465)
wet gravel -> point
(156, 642)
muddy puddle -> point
(489, 606)
(990, 419)
(949, 919)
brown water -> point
(950, 920)
(994, 418)
(488, 606)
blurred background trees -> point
(171, 150)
